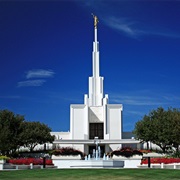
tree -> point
(160, 127)
(143, 130)
(161, 131)
(10, 130)
(35, 133)
(175, 128)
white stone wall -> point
(114, 124)
(114, 121)
(79, 122)
(95, 91)
(95, 114)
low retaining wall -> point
(7, 166)
(66, 157)
(116, 162)
(162, 166)
(15, 166)
(132, 162)
(88, 163)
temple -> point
(95, 121)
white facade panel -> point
(79, 121)
(95, 91)
(95, 114)
(114, 121)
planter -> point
(162, 166)
(132, 162)
(122, 157)
(64, 161)
(153, 155)
(70, 157)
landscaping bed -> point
(165, 160)
(28, 161)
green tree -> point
(175, 128)
(160, 127)
(143, 130)
(10, 130)
(161, 131)
(35, 133)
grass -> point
(89, 174)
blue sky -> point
(45, 56)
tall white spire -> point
(95, 82)
(95, 54)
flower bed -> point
(67, 151)
(28, 161)
(161, 160)
(126, 152)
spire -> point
(95, 82)
(95, 49)
(95, 96)
(95, 26)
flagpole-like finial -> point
(95, 20)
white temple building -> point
(95, 121)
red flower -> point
(28, 161)
(161, 160)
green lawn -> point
(85, 174)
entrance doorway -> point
(96, 130)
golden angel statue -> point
(95, 20)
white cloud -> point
(164, 34)
(171, 98)
(122, 25)
(139, 100)
(39, 73)
(131, 112)
(37, 82)
(134, 30)
(115, 16)
(36, 74)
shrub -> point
(65, 151)
(126, 152)
(176, 154)
(4, 158)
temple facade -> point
(96, 121)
